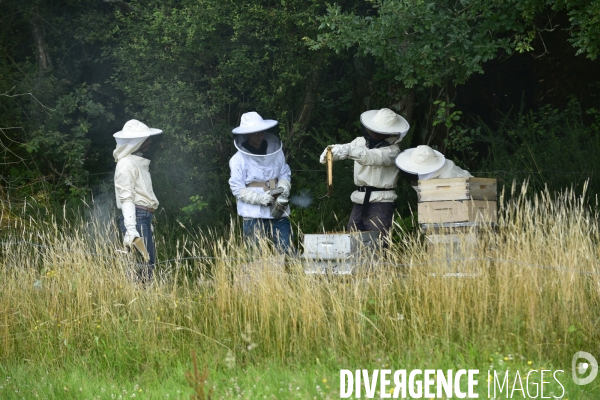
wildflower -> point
(324, 380)
(529, 362)
(230, 359)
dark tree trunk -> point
(405, 104)
(308, 101)
(42, 54)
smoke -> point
(302, 200)
(101, 215)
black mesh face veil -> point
(374, 143)
(365, 132)
(155, 144)
(412, 179)
(274, 130)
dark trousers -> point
(143, 218)
(378, 217)
(279, 229)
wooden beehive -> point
(457, 200)
(457, 189)
(452, 245)
(450, 211)
(435, 212)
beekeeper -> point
(136, 145)
(422, 163)
(375, 173)
(260, 180)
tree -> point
(440, 44)
(56, 113)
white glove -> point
(338, 152)
(130, 222)
(265, 199)
(287, 187)
(257, 198)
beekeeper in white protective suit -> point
(260, 180)
(374, 171)
(422, 163)
(136, 145)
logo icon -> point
(582, 368)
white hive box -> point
(338, 253)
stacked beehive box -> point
(450, 210)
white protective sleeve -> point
(250, 196)
(381, 157)
(129, 219)
(287, 187)
(338, 152)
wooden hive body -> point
(436, 212)
(451, 212)
(457, 200)
(457, 189)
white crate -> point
(336, 246)
(338, 253)
(335, 267)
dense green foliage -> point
(72, 72)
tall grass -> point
(531, 285)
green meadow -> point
(74, 325)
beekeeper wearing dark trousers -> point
(375, 173)
(136, 145)
(260, 180)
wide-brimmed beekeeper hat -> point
(420, 160)
(252, 122)
(384, 121)
(134, 129)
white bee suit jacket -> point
(375, 167)
(132, 176)
(247, 168)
